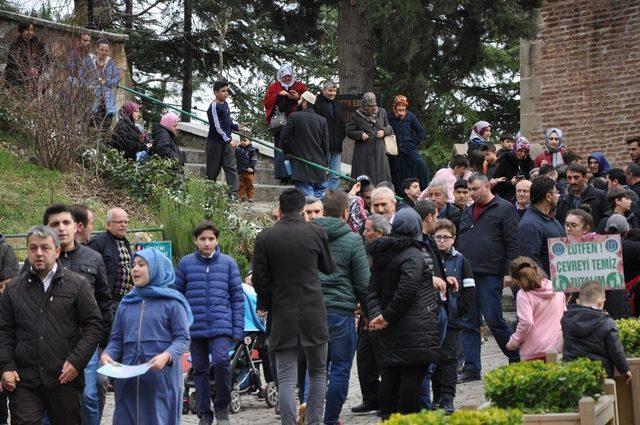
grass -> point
(27, 189)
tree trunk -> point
(128, 10)
(355, 50)
(80, 12)
(187, 62)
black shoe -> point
(446, 404)
(205, 420)
(364, 408)
(468, 376)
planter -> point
(629, 395)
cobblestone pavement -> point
(256, 412)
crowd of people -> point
(406, 285)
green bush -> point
(539, 387)
(491, 416)
(629, 332)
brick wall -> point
(582, 74)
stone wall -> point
(55, 35)
(582, 74)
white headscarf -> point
(286, 69)
(476, 131)
(556, 154)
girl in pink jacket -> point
(539, 312)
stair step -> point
(261, 176)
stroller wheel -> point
(272, 394)
(235, 404)
(192, 403)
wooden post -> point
(609, 388)
(587, 409)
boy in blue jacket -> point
(210, 281)
(246, 160)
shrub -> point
(491, 416)
(538, 387)
(629, 332)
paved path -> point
(255, 412)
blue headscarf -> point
(161, 276)
(407, 223)
(603, 164)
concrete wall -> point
(582, 74)
(55, 35)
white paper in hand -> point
(120, 371)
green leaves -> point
(539, 387)
(491, 416)
(629, 333)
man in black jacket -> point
(487, 239)
(289, 289)
(632, 173)
(9, 265)
(588, 331)
(87, 262)
(116, 253)
(437, 193)
(327, 107)
(580, 193)
(306, 135)
(50, 326)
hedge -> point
(539, 387)
(490, 416)
(629, 332)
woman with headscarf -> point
(404, 313)
(282, 97)
(368, 128)
(480, 135)
(553, 149)
(128, 136)
(151, 327)
(513, 166)
(409, 134)
(26, 59)
(598, 165)
(164, 138)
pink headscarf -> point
(169, 120)
(521, 143)
(130, 107)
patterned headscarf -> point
(284, 70)
(521, 143)
(478, 128)
(400, 100)
(556, 154)
(368, 99)
(130, 107)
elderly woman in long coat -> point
(368, 128)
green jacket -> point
(348, 284)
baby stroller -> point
(245, 364)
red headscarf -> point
(400, 100)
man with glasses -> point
(580, 194)
(538, 224)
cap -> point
(308, 96)
(617, 223)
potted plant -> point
(629, 394)
(490, 416)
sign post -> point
(575, 261)
(162, 246)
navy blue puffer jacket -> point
(213, 288)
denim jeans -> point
(487, 304)
(342, 348)
(335, 160)
(311, 189)
(90, 402)
(218, 347)
(425, 396)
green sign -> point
(162, 246)
(575, 261)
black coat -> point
(332, 112)
(164, 144)
(453, 213)
(592, 333)
(22, 56)
(306, 135)
(510, 166)
(105, 244)
(286, 261)
(370, 157)
(491, 243)
(9, 265)
(127, 138)
(40, 331)
(402, 291)
(592, 197)
(89, 264)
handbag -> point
(390, 145)
(278, 120)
